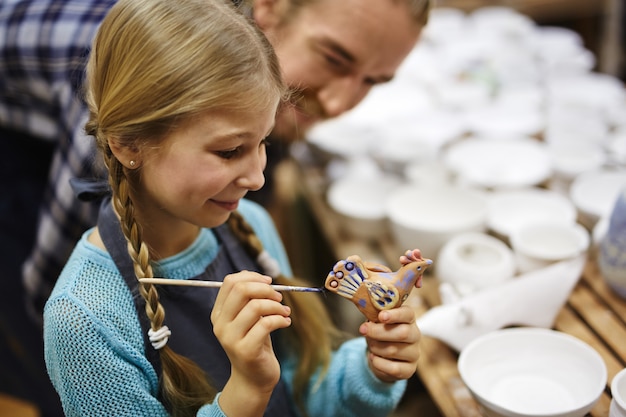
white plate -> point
(508, 210)
(495, 163)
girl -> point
(182, 95)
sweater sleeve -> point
(349, 388)
(96, 371)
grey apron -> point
(188, 309)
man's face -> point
(332, 52)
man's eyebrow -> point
(338, 49)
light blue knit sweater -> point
(94, 349)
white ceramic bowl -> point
(594, 194)
(536, 372)
(426, 217)
(474, 261)
(510, 209)
(499, 163)
(618, 392)
(361, 203)
(539, 244)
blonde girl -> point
(182, 95)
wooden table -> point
(593, 313)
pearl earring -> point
(132, 164)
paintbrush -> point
(218, 284)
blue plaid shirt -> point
(43, 49)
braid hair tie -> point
(269, 265)
(159, 337)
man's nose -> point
(342, 95)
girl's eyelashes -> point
(235, 152)
(229, 153)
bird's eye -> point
(419, 268)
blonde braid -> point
(312, 331)
(184, 385)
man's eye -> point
(333, 61)
(338, 65)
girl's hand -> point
(246, 311)
(409, 256)
(393, 344)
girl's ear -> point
(268, 13)
(128, 155)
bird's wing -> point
(383, 296)
(349, 278)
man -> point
(331, 53)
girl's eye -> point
(228, 154)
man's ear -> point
(128, 155)
(268, 14)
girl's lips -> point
(227, 205)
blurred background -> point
(507, 113)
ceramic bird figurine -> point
(373, 287)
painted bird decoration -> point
(374, 287)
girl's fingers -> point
(237, 290)
(396, 337)
(398, 315)
(410, 255)
(264, 326)
(391, 370)
(254, 311)
(397, 351)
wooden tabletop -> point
(593, 313)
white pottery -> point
(618, 392)
(539, 244)
(497, 163)
(594, 194)
(531, 299)
(509, 210)
(474, 261)
(360, 201)
(426, 216)
(523, 372)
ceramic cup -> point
(539, 244)
(474, 261)
(618, 392)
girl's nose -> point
(252, 176)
